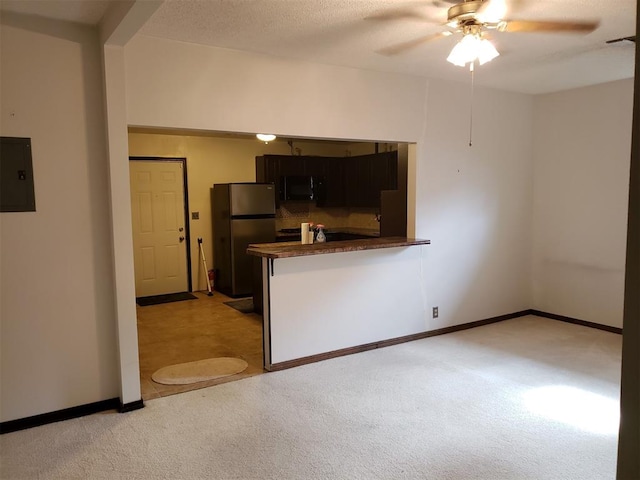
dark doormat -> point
(244, 305)
(167, 298)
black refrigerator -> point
(243, 213)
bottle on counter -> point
(304, 233)
(320, 236)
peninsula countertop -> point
(296, 249)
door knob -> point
(180, 229)
(181, 239)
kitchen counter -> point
(296, 249)
(317, 306)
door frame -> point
(185, 191)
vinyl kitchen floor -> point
(191, 330)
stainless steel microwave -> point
(300, 188)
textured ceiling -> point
(79, 11)
(337, 32)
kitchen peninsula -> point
(322, 300)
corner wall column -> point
(118, 152)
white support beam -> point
(118, 151)
(123, 20)
(120, 23)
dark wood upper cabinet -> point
(271, 169)
(347, 181)
(367, 175)
(335, 183)
(331, 171)
(293, 165)
(356, 179)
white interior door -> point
(157, 211)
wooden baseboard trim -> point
(576, 321)
(393, 341)
(131, 406)
(477, 323)
(59, 415)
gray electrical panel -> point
(16, 175)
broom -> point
(206, 272)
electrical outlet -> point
(435, 312)
(195, 215)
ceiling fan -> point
(473, 19)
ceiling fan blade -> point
(551, 26)
(492, 11)
(622, 40)
(416, 42)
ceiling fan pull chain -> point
(472, 70)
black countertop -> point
(294, 233)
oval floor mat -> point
(199, 371)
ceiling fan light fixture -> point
(458, 55)
(266, 137)
(472, 47)
(486, 51)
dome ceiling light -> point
(266, 137)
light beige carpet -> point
(527, 399)
(199, 371)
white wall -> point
(58, 345)
(323, 303)
(479, 219)
(582, 155)
(474, 203)
(174, 84)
